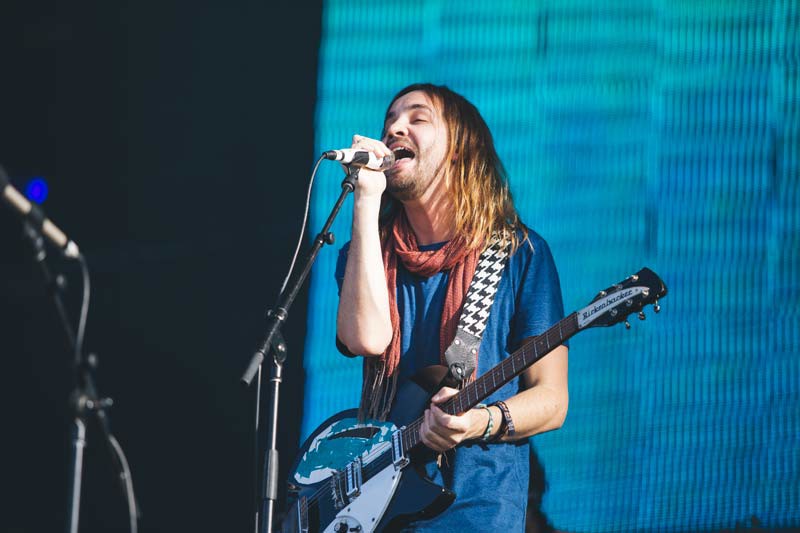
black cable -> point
(303, 228)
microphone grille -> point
(388, 161)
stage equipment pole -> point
(273, 341)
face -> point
(416, 132)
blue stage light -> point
(36, 190)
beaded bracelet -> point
(489, 425)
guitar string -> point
(413, 428)
(328, 483)
(450, 404)
(381, 449)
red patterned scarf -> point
(380, 373)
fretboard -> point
(477, 391)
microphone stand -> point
(84, 400)
(274, 340)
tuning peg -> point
(656, 307)
(641, 315)
(627, 325)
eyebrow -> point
(411, 107)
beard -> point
(404, 187)
(411, 183)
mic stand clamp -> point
(273, 339)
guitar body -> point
(391, 497)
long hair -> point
(475, 177)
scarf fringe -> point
(377, 391)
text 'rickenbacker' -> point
(353, 477)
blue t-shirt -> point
(490, 480)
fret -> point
(412, 431)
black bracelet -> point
(507, 428)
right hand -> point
(371, 183)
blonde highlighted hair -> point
(477, 181)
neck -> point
(431, 216)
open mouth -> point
(402, 152)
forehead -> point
(412, 101)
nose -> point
(397, 128)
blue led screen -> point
(635, 133)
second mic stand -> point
(84, 400)
(275, 319)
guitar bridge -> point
(399, 459)
(338, 490)
(352, 473)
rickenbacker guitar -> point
(364, 477)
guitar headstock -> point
(614, 304)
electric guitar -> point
(365, 477)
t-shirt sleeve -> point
(341, 263)
(539, 304)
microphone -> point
(34, 214)
(360, 158)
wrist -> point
(507, 428)
(485, 422)
(366, 206)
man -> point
(418, 229)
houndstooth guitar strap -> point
(462, 354)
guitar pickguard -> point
(339, 443)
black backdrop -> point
(157, 126)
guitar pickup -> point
(399, 459)
(352, 473)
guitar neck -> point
(477, 391)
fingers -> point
(443, 395)
(441, 431)
(371, 184)
(370, 145)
